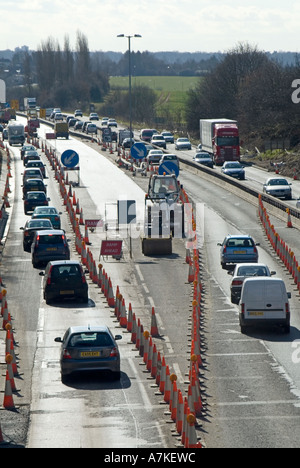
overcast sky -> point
(165, 25)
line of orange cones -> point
(10, 357)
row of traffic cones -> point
(10, 358)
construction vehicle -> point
(164, 215)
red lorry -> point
(220, 138)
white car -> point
(278, 187)
(58, 116)
(183, 143)
(93, 116)
(158, 140)
(91, 128)
(154, 156)
(169, 158)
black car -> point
(30, 156)
(33, 199)
(33, 185)
(26, 148)
(49, 245)
(30, 228)
(64, 279)
(37, 164)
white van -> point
(264, 302)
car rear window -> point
(252, 271)
(36, 196)
(51, 239)
(240, 242)
(37, 224)
(96, 339)
(65, 270)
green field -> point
(171, 93)
(157, 83)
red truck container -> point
(220, 138)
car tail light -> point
(66, 354)
(237, 282)
(224, 249)
(287, 308)
(114, 353)
(255, 249)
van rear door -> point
(265, 299)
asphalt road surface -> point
(250, 383)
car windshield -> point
(202, 156)
(166, 185)
(256, 270)
(233, 165)
(240, 242)
(183, 139)
(278, 182)
(90, 339)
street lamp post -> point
(129, 73)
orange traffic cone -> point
(289, 221)
(8, 402)
(154, 328)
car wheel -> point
(243, 329)
(46, 297)
(234, 299)
(85, 299)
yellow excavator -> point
(164, 215)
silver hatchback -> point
(89, 348)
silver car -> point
(278, 187)
(243, 271)
(89, 348)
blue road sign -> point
(138, 151)
(168, 167)
(69, 158)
